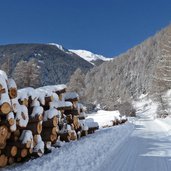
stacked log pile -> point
(34, 120)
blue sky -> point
(107, 27)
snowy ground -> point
(86, 154)
(143, 144)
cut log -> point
(50, 122)
(6, 121)
(53, 138)
(48, 144)
(28, 144)
(23, 102)
(60, 92)
(69, 119)
(12, 88)
(5, 108)
(35, 139)
(37, 118)
(3, 136)
(60, 96)
(11, 160)
(17, 133)
(73, 136)
(76, 122)
(30, 150)
(92, 130)
(13, 137)
(49, 131)
(22, 152)
(12, 93)
(72, 112)
(10, 151)
(35, 127)
(46, 136)
(17, 144)
(18, 159)
(64, 136)
(3, 160)
(2, 146)
(2, 89)
(84, 133)
(48, 99)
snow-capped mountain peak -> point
(85, 54)
(89, 56)
(58, 46)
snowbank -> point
(103, 118)
(86, 154)
(145, 107)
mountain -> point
(143, 69)
(91, 57)
(54, 63)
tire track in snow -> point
(148, 148)
(84, 155)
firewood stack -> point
(33, 120)
(76, 114)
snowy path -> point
(83, 155)
(148, 148)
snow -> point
(39, 148)
(37, 110)
(49, 114)
(89, 56)
(71, 95)
(14, 103)
(5, 98)
(11, 83)
(3, 74)
(55, 97)
(13, 127)
(84, 125)
(145, 107)
(22, 110)
(25, 93)
(10, 116)
(86, 154)
(53, 88)
(167, 100)
(35, 103)
(143, 143)
(60, 47)
(3, 82)
(103, 118)
(60, 104)
(26, 136)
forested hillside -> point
(144, 69)
(39, 64)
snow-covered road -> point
(142, 146)
(148, 148)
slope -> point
(94, 59)
(56, 65)
(131, 74)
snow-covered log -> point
(12, 88)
